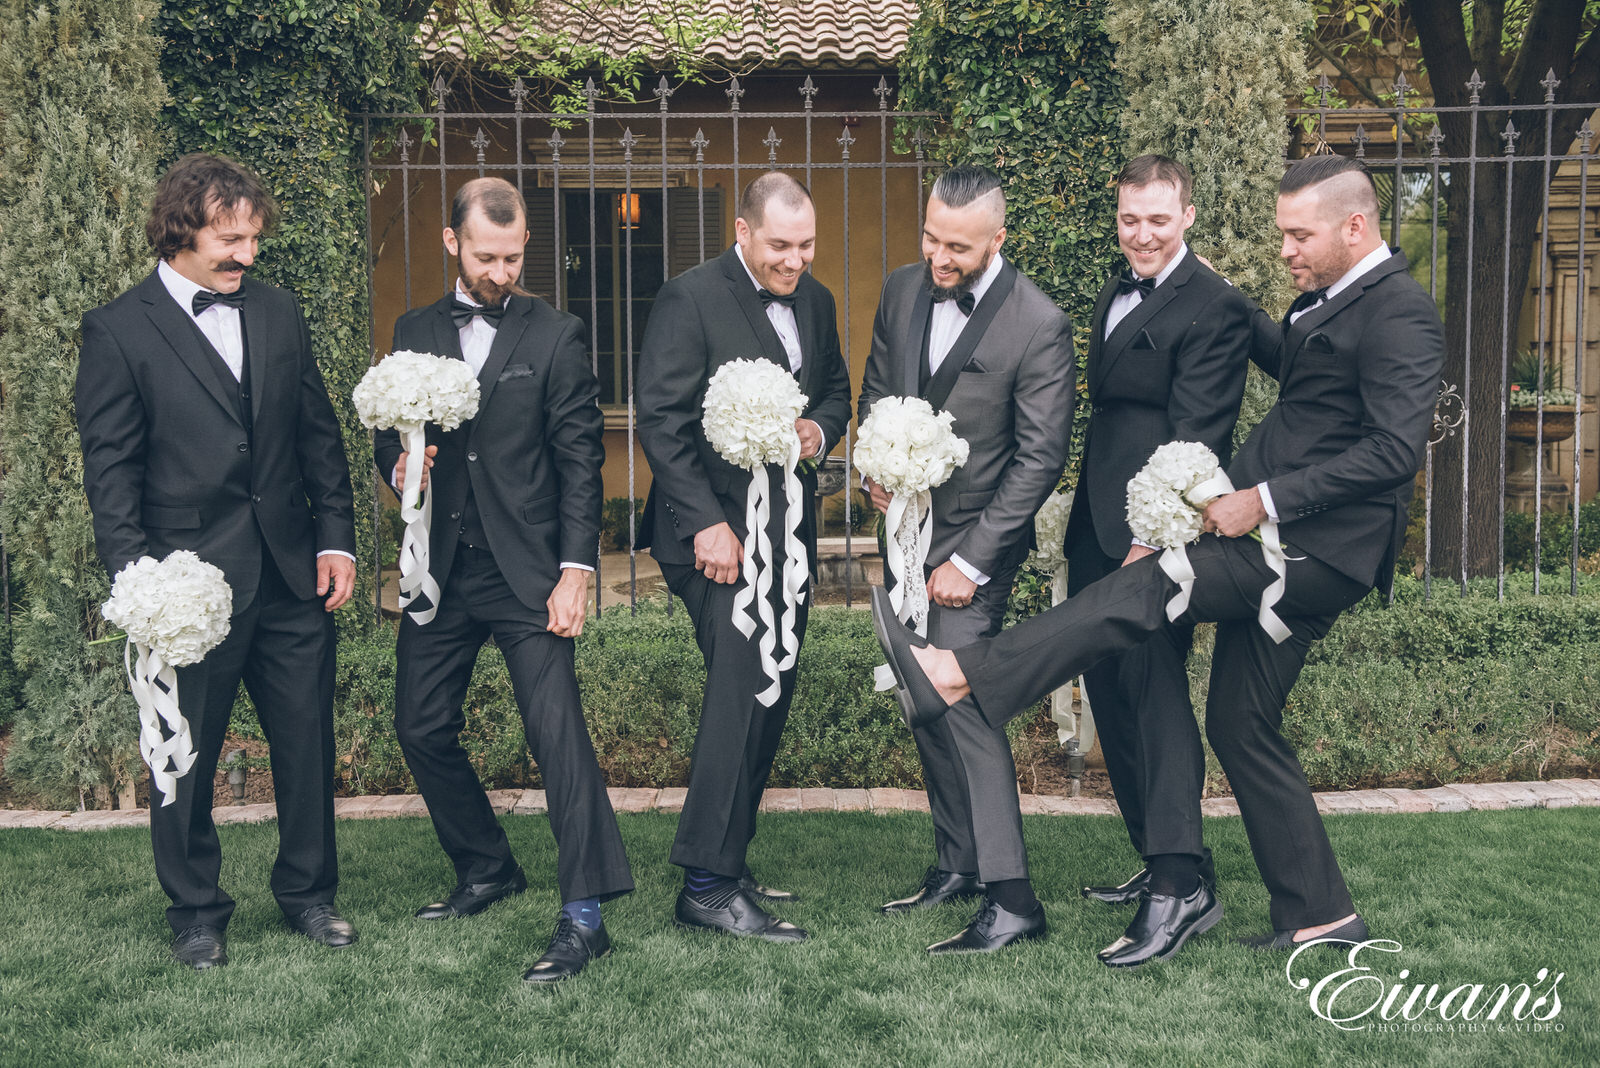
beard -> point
(488, 293)
(963, 285)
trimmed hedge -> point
(1455, 690)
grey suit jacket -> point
(1012, 398)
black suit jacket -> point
(531, 455)
(1172, 370)
(1358, 382)
(167, 460)
(1009, 382)
(708, 316)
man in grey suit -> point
(967, 332)
(1333, 464)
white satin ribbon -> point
(1175, 562)
(758, 574)
(155, 687)
(416, 508)
(908, 536)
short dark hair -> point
(1150, 169)
(496, 198)
(1351, 191)
(788, 191)
(962, 185)
(194, 191)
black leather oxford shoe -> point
(1162, 925)
(741, 916)
(1350, 933)
(469, 899)
(1125, 894)
(938, 886)
(748, 883)
(994, 928)
(920, 703)
(322, 923)
(201, 947)
(571, 947)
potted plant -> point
(1526, 399)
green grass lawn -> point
(85, 977)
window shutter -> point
(683, 228)
(539, 269)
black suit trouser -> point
(1251, 678)
(966, 761)
(433, 668)
(1145, 722)
(738, 736)
(282, 648)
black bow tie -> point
(1307, 301)
(205, 298)
(768, 296)
(1127, 283)
(966, 301)
(462, 313)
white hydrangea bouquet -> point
(908, 448)
(750, 410)
(173, 612)
(405, 391)
(1165, 504)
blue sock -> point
(585, 912)
(709, 888)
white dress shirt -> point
(1123, 303)
(1367, 263)
(948, 320)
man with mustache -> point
(965, 330)
(1333, 465)
(206, 426)
(756, 300)
(515, 535)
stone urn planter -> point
(1528, 488)
(1560, 420)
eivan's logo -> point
(1353, 998)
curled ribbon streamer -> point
(908, 536)
(757, 574)
(416, 508)
(155, 687)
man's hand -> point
(947, 586)
(400, 467)
(810, 438)
(1136, 552)
(336, 577)
(568, 603)
(1235, 514)
(718, 553)
(880, 496)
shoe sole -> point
(1033, 936)
(902, 692)
(1202, 925)
(734, 934)
(564, 978)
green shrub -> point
(614, 533)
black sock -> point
(1174, 874)
(1013, 895)
(709, 888)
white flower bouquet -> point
(750, 409)
(405, 391)
(173, 612)
(1050, 532)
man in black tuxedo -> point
(515, 535)
(967, 332)
(755, 300)
(1167, 354)
(1333, 463)
(206, 426)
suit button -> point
(455, 515)
(1096, 410)
(472, 456)
(244, 446)
(256, 497)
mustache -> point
(230, 265)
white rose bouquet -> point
(405, 391)
(750, 409)
(1050, 532)
(173, 612)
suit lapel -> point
(805, 320)
(1296, 333)
(916, 336)
(446, 338)
(257, 332)
(940, 385)
(744, 294)
(1097, 344)
(512, 325)
(1128, 329)
(186, 340)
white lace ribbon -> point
(908, 536)
(155, 687)
(416, 508)
(758, 574)
(1175, 562)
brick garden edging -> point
(1560, 793)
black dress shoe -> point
(994, 928)
(920, 703)
(1349, 934)
(938, 886)
(1125, 894)
(469, 899)
(740, 916)
(747, 883)
(571, 947)
(1162, 925)
(201, 947)
(322, 923)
